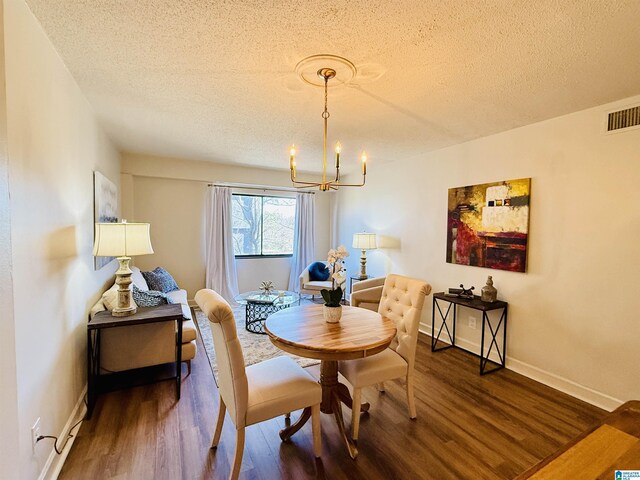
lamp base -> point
(363, 266)
(125, 306)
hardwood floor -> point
(468, 427)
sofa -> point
(140, 346)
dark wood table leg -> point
(332, 400)
(289, 431)
(179, 357)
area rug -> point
(255, 347)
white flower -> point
(342, 251)
(339, 277)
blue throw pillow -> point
(319, 272)
(161, 280)
(150, 298)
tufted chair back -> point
(402, 301)
(234, 388)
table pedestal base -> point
(334, 394)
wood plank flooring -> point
(468, 427)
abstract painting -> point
(105, 208)
(488, 225)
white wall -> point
(573, 316)
(8, 381)
(170, 194)
(54, 145)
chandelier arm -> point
(315, 184)
(338, 184)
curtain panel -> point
(221, 274)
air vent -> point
(629, 117)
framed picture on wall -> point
(488, 225)
(105, 208)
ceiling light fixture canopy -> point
(326, 74)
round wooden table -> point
(303, 331)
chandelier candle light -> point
(326, 74)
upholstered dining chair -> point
(367, 293)
(401, 301)
(259, 392)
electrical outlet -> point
(472, 322)
(35, 433)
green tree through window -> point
(262, 225)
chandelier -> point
(326, 74)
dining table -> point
(303, 331)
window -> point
(263, 226)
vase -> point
(332, 314)
(489, 292)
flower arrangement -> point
(335, 258)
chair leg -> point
(381, 387)
(237, 459)
(315, 426)
(188, 367)
(355, 413)
(222, 409)
(410, 399)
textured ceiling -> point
(215, 80)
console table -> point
(144, 315)
(476, 304)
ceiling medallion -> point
(324, 75)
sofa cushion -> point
(188, 331)
(318, 271)
(138, 279)
(177, 296)
(150, 298)
(161, 280)
(317, 285)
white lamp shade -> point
(364, 241)
(122, 240)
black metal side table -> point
(144, 315)
(476, 304)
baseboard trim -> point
(549, 379)
(55, 462)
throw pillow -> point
(150, 298)
(138, 279)
(161, 280)
(110, 298)
(319, 272)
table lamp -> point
(122, 240)
(364, 241)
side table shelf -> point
(475, 304)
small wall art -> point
(488, 225)
(105, 208)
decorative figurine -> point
(466, 292)
(266, 287)
(489, 292)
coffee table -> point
(259, 306)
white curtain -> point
(221, 262)
(304, 238)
